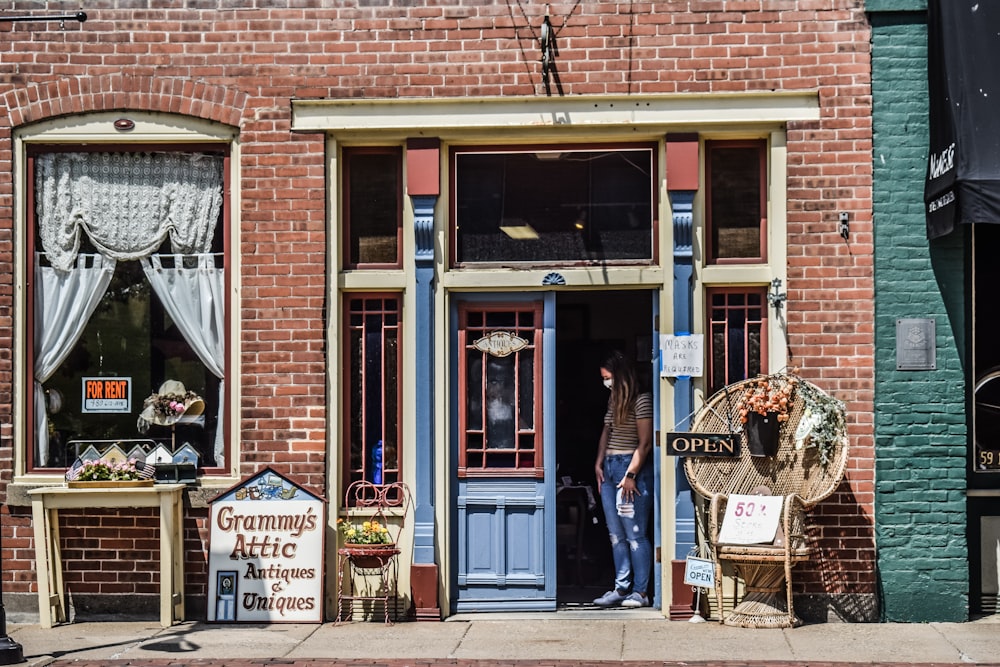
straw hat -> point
(171, 402)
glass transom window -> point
(554, 205)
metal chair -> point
(368, 573)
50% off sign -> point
(750, 519)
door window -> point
(500, 423)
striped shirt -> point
(624, 438)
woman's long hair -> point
(624, 387)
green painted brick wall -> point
(920, 425)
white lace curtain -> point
(64, 302)
(126, 203)
(194, 298)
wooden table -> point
(45, 505)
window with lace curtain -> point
(128, 273)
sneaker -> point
(610, 599)
(635, 600)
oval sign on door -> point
(500, 343)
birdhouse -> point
(186, 454)
(159, 454)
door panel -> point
(502, 545)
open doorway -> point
(589, 325)
(984, 469)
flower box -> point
(109, 484)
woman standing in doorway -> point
(625, 481)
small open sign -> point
(699, 572)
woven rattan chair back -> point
(794, 469)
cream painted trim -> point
(777, 248)
(98, 128)
(748, 274)
(492, 280)
(593, 112)
(665, 324)
(731, 274)
(149, 127)
(374, 281)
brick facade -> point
(242, 64)
(920, 427)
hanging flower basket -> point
(763, 432)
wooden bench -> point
(801, 472)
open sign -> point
(699, 572)
(106, 395)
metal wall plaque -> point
(915, 344)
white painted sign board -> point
(266, 553)
(750, 519)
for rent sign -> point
(101, 394)
(266, 553)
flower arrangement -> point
(768, 394)
(369, 532)
(104, 470)
(823, 423)
(170, 406)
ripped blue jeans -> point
(631, 549)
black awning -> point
(963, 68)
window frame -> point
(31, 151)
(455, 150)
(764, 322)
(346, 378)
(347, 154)
(761, 145)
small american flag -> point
(74, 470)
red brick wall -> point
(242, 66)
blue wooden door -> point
(504, 537)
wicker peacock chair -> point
(802, 472)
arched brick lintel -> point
(64, 97)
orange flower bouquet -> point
(768, 394)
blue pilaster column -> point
(423, 531)
(682, 202)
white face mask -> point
(607, 382)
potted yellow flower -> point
(367, 544)
(369, 532)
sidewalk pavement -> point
(635, 637)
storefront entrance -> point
(984, 468)
(529, 404)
